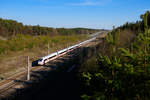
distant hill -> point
(9, 28)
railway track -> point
(9, 83)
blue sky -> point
(74, 13)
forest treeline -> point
(10, 28)
(121, 69)
(14, 36)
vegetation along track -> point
(11, 82)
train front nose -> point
(40, 63)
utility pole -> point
(67, 47)
(48, 47)
(57, 52)
(28, 69)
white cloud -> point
(147, 9)
(90, 3)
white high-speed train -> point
(44, 60)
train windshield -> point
(40, 59)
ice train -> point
(45, 59)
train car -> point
(43, 60)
